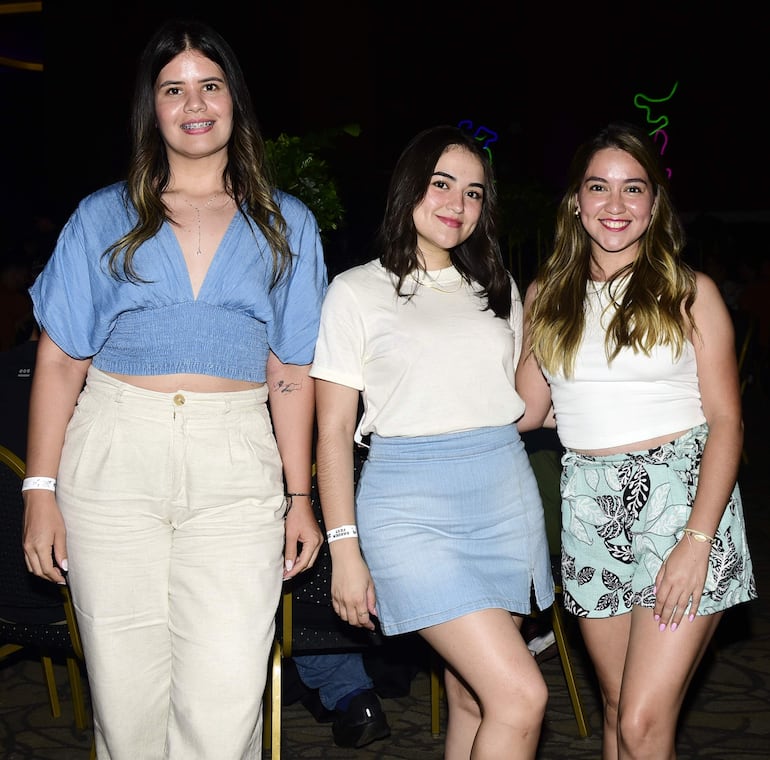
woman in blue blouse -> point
(175, 307)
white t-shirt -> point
(635, 398)
(435, 363)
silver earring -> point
(577, 212)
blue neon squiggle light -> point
(489, 136)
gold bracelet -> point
(701, 538)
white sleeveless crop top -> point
(635, 398)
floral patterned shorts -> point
(621, 516)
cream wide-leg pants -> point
(173, 505)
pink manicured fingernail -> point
(662, 627)
(673, 626)
(692, 617)
(657, 618)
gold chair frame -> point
(16, 465)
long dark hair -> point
(246, 175)
(478, 258)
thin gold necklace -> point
(434, 282)
(197, 210)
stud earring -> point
(577, 212)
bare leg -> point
(490, 663)
(464, 717)
(659, 668)
(643, 675)
(606, 640)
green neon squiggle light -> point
(663, 118)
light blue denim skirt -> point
(451, 524)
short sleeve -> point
(339, 355)
(516, 322)
(296, 300)
(69, 294)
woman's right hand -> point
(57, 382)
(353, 597)
(44, 536)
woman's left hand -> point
(301, 529)
(680, 582)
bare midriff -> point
(185, 382)
(627, 448)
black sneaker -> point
(362, 723)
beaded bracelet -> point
(44, 484)
(290, 499)
(344, 531)
(701, 538)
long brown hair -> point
(246, 175)
(656, 287)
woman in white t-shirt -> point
(634, 353)
(445, 535)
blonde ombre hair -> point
(653, 295)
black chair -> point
(307, 624)
(35, 615)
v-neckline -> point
(212, 259)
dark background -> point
(542, 76)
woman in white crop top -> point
(632, 353)
(445, 535)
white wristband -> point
(46, 484)
(344, 531)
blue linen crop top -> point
(158, 327)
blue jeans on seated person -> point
(335, 675)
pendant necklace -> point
(197, 210)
